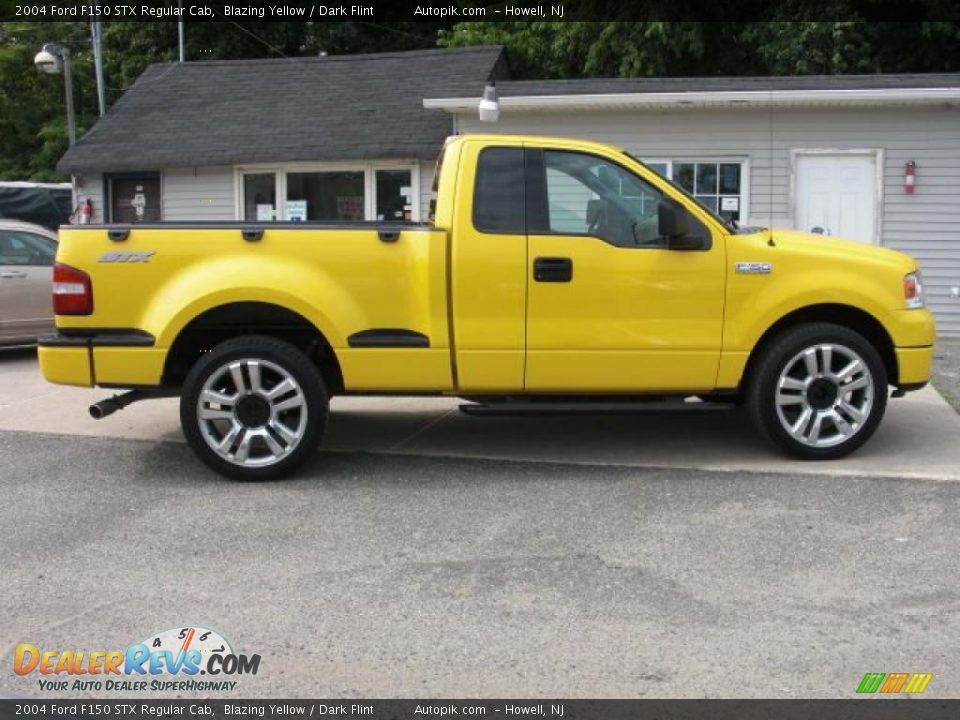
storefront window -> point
(260, 197)
(363, 192)
(394, 195)
(325, 196)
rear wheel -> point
(254, 408)
(819, 391)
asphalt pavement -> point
(380, 575)
(424, 553)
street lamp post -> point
(53, 59)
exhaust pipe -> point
(109, 406)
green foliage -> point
(638, 49)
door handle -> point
(15, 274)
(553, 269)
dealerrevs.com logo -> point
(167, 661)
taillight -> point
(72, 291)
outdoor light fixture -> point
(489, 107)
(52, 59)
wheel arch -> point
(235, 319)
(847, 316)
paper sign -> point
(264, 212)
(296, 210)
(729, 204)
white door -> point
(838, 195)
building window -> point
(132, 198)
(260, 196)
(718, 184)
(325, 196)
(333, 192)
(394, 193)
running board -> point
(612, 407)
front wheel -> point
(254, 408)
(819, 391)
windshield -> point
(730, 225)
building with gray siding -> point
(355, 137)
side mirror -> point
(674, 225)
(672, 218)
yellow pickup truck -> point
(552, 272)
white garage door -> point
(837, 193)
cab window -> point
(499, 200)
(588, 195)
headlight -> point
(913, 290)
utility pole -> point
(96, 37)
(183, 49)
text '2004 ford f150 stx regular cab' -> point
(555, 269)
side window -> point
(587, 195)
(499, 204)
(26, 249)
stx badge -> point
(127, 257)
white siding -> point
(925, 224)
(427, 170)
(201, 193)
(89, 187)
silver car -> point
(26, 277)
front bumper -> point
(914, 366)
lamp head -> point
(489, 107)
(49, 59)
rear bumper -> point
(97, 338)
(109, 357)
(914, 366)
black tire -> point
(260, 416)
(762, 389)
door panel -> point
(628, 320)
(488, 269)
(838, 194)
(634, 316)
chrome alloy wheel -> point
(252, 412)
(824, 395)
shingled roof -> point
(349, 107)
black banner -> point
(873, 709)
(385, 11)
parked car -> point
(26, 274)
(555, 272)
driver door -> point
(611, 308)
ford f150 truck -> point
(558, 270)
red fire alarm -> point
(909, 177)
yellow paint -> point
(632, 320)
(915, 364)
(128, 365)
(66, 365)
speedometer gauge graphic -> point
(176, 640)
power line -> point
(260, 39)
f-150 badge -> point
(754, 268)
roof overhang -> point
(733, 98)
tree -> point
(33, 125)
